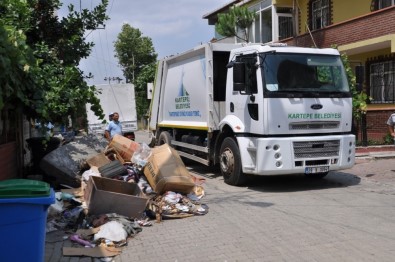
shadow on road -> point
(284, 183)
(293, 183)
(204, 171)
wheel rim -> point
(227, 162)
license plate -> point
(318, 169)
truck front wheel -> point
(164, 138)
(230, 163)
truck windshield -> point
(287, 74)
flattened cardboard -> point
(98, 160)
(124, 147)
(165, 171)
(92, 252)
(104, 195)
(85, 233)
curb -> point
(375, 156)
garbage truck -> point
(115, 98)
(255, 109)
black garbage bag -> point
(62, 165)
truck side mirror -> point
(359, 75)
(239, 76)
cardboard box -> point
(124, 147)
(104, 195)
(98, 160)
(165, 171)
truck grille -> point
(314, 125)
(315, 149)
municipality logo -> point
(182, 100)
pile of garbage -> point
(123, 188)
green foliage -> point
(39, 58)
(15, 54)
(134, 51)
(226, 25)
(359, 101)
(388, 139)
(147, 75)
(137, 57)
(238, 17)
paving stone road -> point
(347, 216)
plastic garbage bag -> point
(56, 207)
(141, 155)
(196, 194)
(88, 173)
(172, 197)
(144, 186)
(113, 231)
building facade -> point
(363, 29)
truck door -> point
(245, 99)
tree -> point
(238, 17)
(44, 54)
(359, 98)
(16, 57)
(137, 57)
(133, 51)
(147, 75)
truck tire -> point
(164, 138)
(230, 163)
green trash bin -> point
(23, 216)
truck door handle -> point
(232, 107)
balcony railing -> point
(371, 25)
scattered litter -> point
(76, 238)
(141, 155)
(112, 206)
(172, 197)
(112, 230)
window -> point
(261, 29)
(271, 24)
(285, 23)
(380, 4)
(320, 14)
(304, 75)
(285, 27)
(382, 76)
(250, 70)
(266, 25)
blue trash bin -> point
(23, 216)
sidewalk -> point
(375, 152)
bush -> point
(388, 139)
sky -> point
(174, 26)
